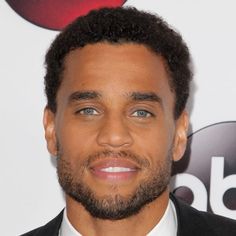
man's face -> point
(114, 132)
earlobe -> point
(180, 140)
(49, 129)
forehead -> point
(119, 68)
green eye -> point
(142, 114)
(88, 111)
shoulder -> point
(194, 222)
(49, 229)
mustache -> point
(129, 155)
(125, 154)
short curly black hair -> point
(117, 26)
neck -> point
(86, 224)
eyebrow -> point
(135, 96)
(83, 95)
(146, 96)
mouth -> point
(116, 169)
(113, 170)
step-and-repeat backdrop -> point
(205, 177)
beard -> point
(114, 207)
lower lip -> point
(114, 176)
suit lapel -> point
(51, 228)
(189, 220)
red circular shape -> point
(56, 14)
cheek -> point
(75, 141)
(156, 143)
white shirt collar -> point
(66, 227)
(167, 226)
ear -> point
(49, 128)
(180, 140)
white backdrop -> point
(30, 195)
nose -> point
(114, 133)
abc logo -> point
(206, 176)
(56, 14)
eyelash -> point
(148, 113)
(84, 109)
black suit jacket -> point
(191, 222)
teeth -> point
(116, 169)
